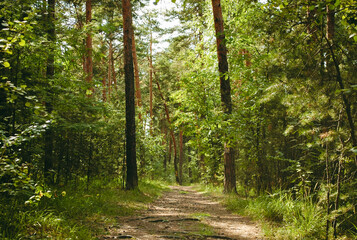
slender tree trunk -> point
(110, 66)
(181, 157)
(328, 193)
(68, 159)
(176, 168)
(150, 85)
(136, 75)
(337, 201)
(104, 83)
(330, 22)
(90, 160)
(246, 56)
(330, 32)
(345, 100)
(89, 49)
(229, 168)
(164, 142)
(171, 132)
(170, 150)
(104, 80)
(50, 72)
(109, 72)
(114, 76)
(131, 167)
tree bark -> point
(170, 150)
(165, 143)
(330, 22)
(171, 133)
(136, 75)
(131, 167)
(104, 83)
(328, 192)
(110, 66)
(89, 49)
(150, 85)
(344, 97)
(229, 168)
(50, 72)
(181, 157)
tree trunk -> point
(338, 193)
(110, 65)
(344, 97)
(330, 22)
(181, 157)
(131, 167)
(90, 160)
(171, 132)
(246, 56)
(50, 72)
(114, 76)
(170, 150)
(165, 143)
(150, 85)
(229, 168)
(89, 49)
(328, 193)
(104, 83)
(136, 75)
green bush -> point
(290, 218)
(74, 213)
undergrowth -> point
(74, 213)
(281, 215)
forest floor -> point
(183, 213)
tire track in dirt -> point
(184, 214)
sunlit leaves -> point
(157, 1)
(6, 64)
(22, 43)
(89, 92)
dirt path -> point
(184, 214)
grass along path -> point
(183, 213)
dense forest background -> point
(291, 130)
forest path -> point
(184, 213)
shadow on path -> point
(184, 214)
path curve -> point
(183, 213)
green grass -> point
(204, 230)
(79, 214)
(283, 217)
(200, 216)
(280, 215)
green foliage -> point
(77, 213)
(292, 126)
(282, 215)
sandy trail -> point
(184, 214)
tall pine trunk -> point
(131, 167)
(181, 157)
(110, 66)
(330, 21)
(136, 75)
(171, 133)
(89, 48)
(150, 85)
(229, 168)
